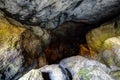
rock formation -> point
(51, 14)
(96, 37)
(105, 40)
(32, 75)
(36, 33)
(20, 49)
(73, 68)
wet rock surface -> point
(51, 14)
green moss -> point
(83, 73)
(109, 61)
(116, 75)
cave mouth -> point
(68, 40)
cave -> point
(68, 43)
(59, 40)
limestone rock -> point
(34, 74)
(96, 37)
(82, 68)
(111, 55)
(106, 41)
(51, 14)
(73, 68)
(20, 50)
(11, 59)
(55, 72)
(52, 72)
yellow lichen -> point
(9, 34)
(96, 37)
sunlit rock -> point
(34, 74)
(81, 68)
(48, 72)
(73, 68)
(55, 72)
(111, 55)
(96, 37)
(106, 41)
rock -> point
(82, 68)
(51, 14)
(20, 50)
(34, 74)
(48, 72)
(11, 59)
(106, 41)
(112, 41)
(111, 55)
(96, 37)
(55, 72)
(73, 68)
(116, 74)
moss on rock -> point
(96, 37)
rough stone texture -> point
(73, 68)
(51, 14)
(106, 41)
(21, 45)
(20, 49)
(11, 59)
(55, 72)
(116, 74)
(82, 68)
(34, 74)
(111, 55)
(96, 37)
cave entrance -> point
(68, 40)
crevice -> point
(69, 74)
(46, 76)
(78, 4)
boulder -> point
(51, 14)
(20, 49)
(111, 55)
(55, 72)
(96, 37)
(81, 68)
(105, 40)
(72, 68)
(48, 72)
